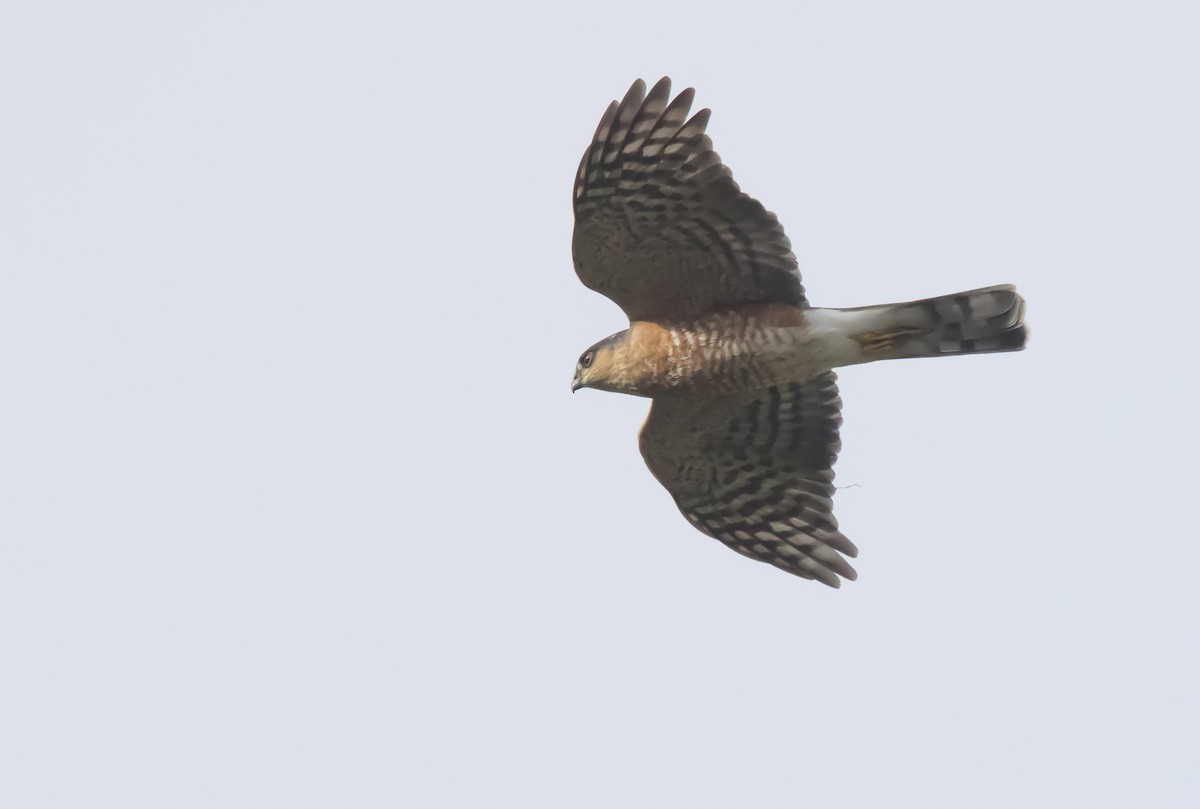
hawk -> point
(743, 425)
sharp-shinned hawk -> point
(743, 429)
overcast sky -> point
(296, 508)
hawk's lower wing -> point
(755, 471)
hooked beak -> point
(575, 385)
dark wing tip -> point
(635, 94)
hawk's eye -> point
(586, 359)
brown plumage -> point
(743, 431)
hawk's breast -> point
(749, 348)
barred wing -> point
(756, 472)
(661, 228)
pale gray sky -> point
(296, 508)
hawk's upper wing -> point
(755, 471)
(661, 227)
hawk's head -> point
(601, 366)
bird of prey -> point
(743, 425)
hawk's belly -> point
(738, 351)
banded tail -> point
(976, 322)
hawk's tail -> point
(974, 322)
